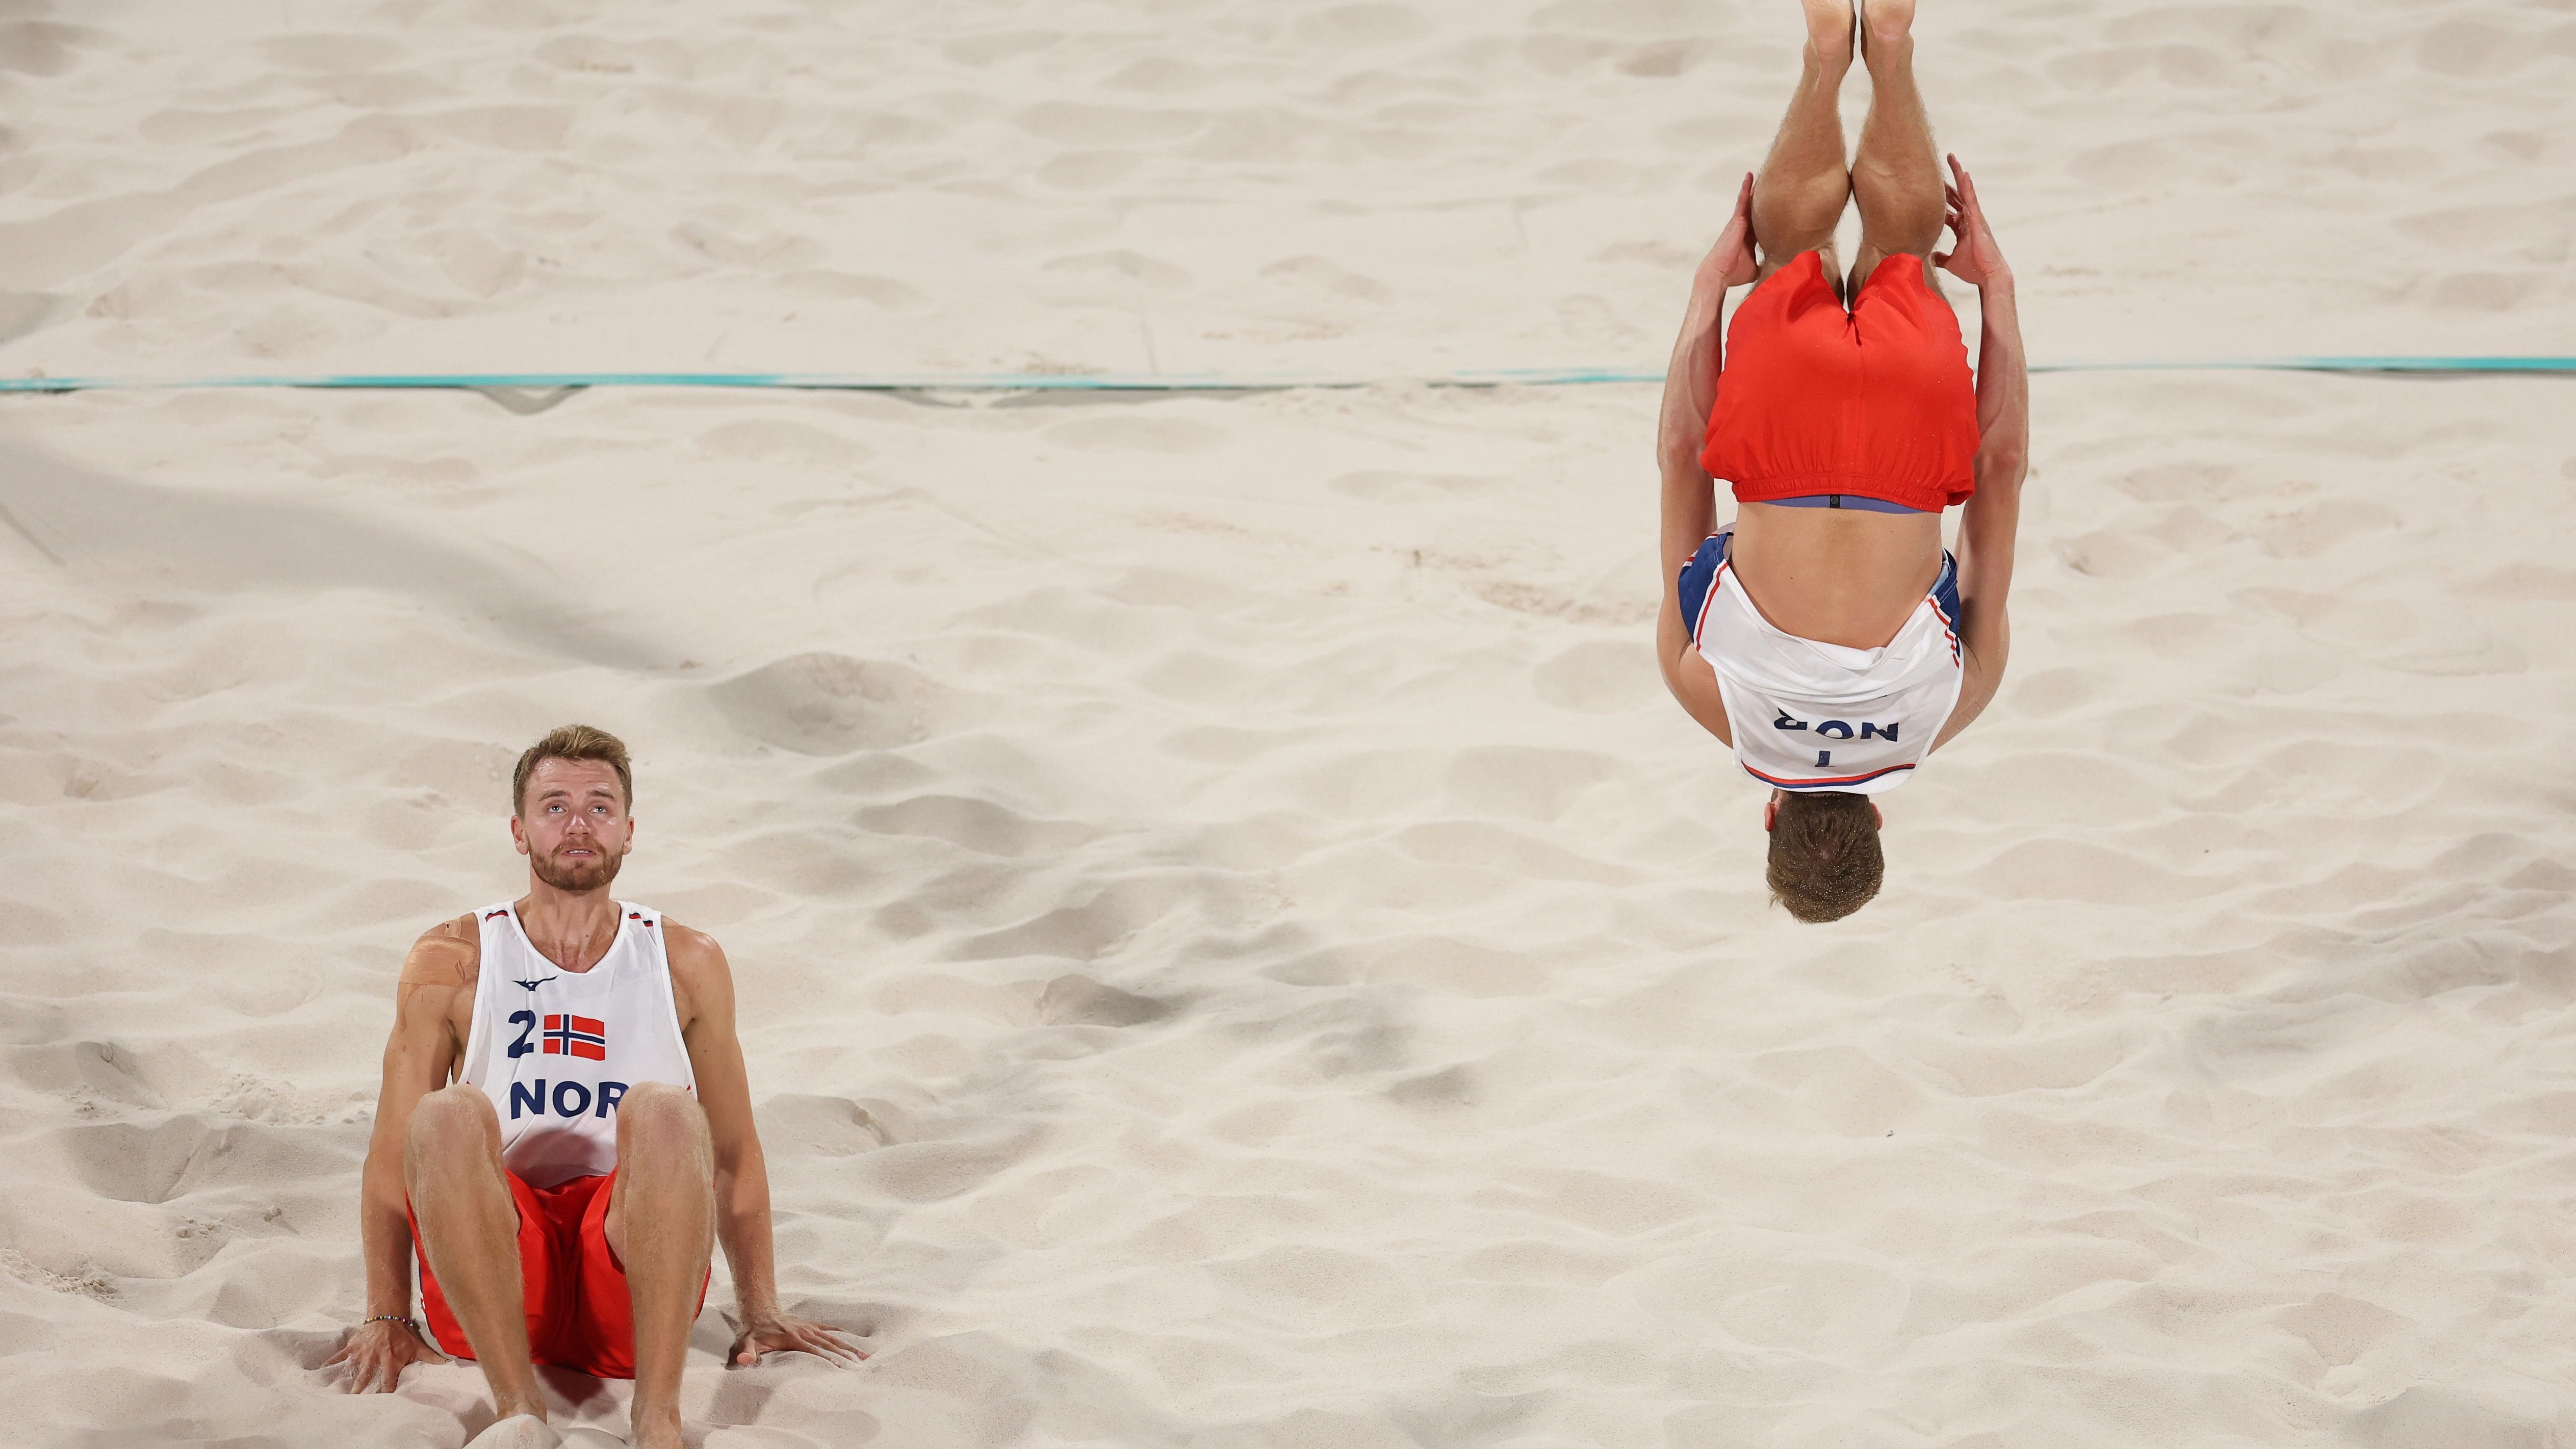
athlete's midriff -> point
(1876, 401)
(1836, 576)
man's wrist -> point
(1998, 284)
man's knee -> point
(450, 1122)
(659, 1114)
(1799, 216)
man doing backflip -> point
(1826, 635)
(565, 1122)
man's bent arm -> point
(418, 1057)
(1689, 494)
(1991, 520)
(1690, 391)
(703, 986)
(724, 1093)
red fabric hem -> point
(1931, 499)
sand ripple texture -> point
(1236, 949)
(1190, 185)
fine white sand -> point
(1236, 948)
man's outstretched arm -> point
(1689, 503)
(705, 988)
(1992, 518)
(419, 1054)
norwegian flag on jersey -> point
(567, 1035)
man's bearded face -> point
(574, 825)
(578, 865)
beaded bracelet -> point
(404, 1319)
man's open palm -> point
(1974, 258)
(784, 1333)
(1731, 263)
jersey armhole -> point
(474, 1016)
(671, 995)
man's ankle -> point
(654, 1423)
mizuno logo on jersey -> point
(567, 1035)
(502, 911)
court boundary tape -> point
(561, 384)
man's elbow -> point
(2002, 463)
(1671, 659)
(1678, 460)
(739, 1158)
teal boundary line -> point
(1176, 382)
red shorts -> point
(578, 1314)
(1875, 401)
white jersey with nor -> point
(1807, 715)
(555, 1050)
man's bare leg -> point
(1805, 183)
(469, 1228)
(661, 1222)
(1897, 174)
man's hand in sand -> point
(377, 1353)
(1974, 258)
(786, 1333)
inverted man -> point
(1826, 635)
(563, 1189)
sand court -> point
(1236, 947)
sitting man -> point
(565, 1120)
(1826, 635)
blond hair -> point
(574, 742)
(1825, 860)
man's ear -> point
(1770, 815)
(1878, 815)
(518, 835)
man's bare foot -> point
(1886, 26)
(656, 1427)
(518, 1431)
(1829, 32)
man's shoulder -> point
(447, 954)
(700, 977)
(691, 952)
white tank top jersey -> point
(1808, 715)
(555, 1050)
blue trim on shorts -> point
(1698, 577)
(1843, 500)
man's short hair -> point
(574, 742)
(1825, 861)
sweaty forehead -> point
(576, 777)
